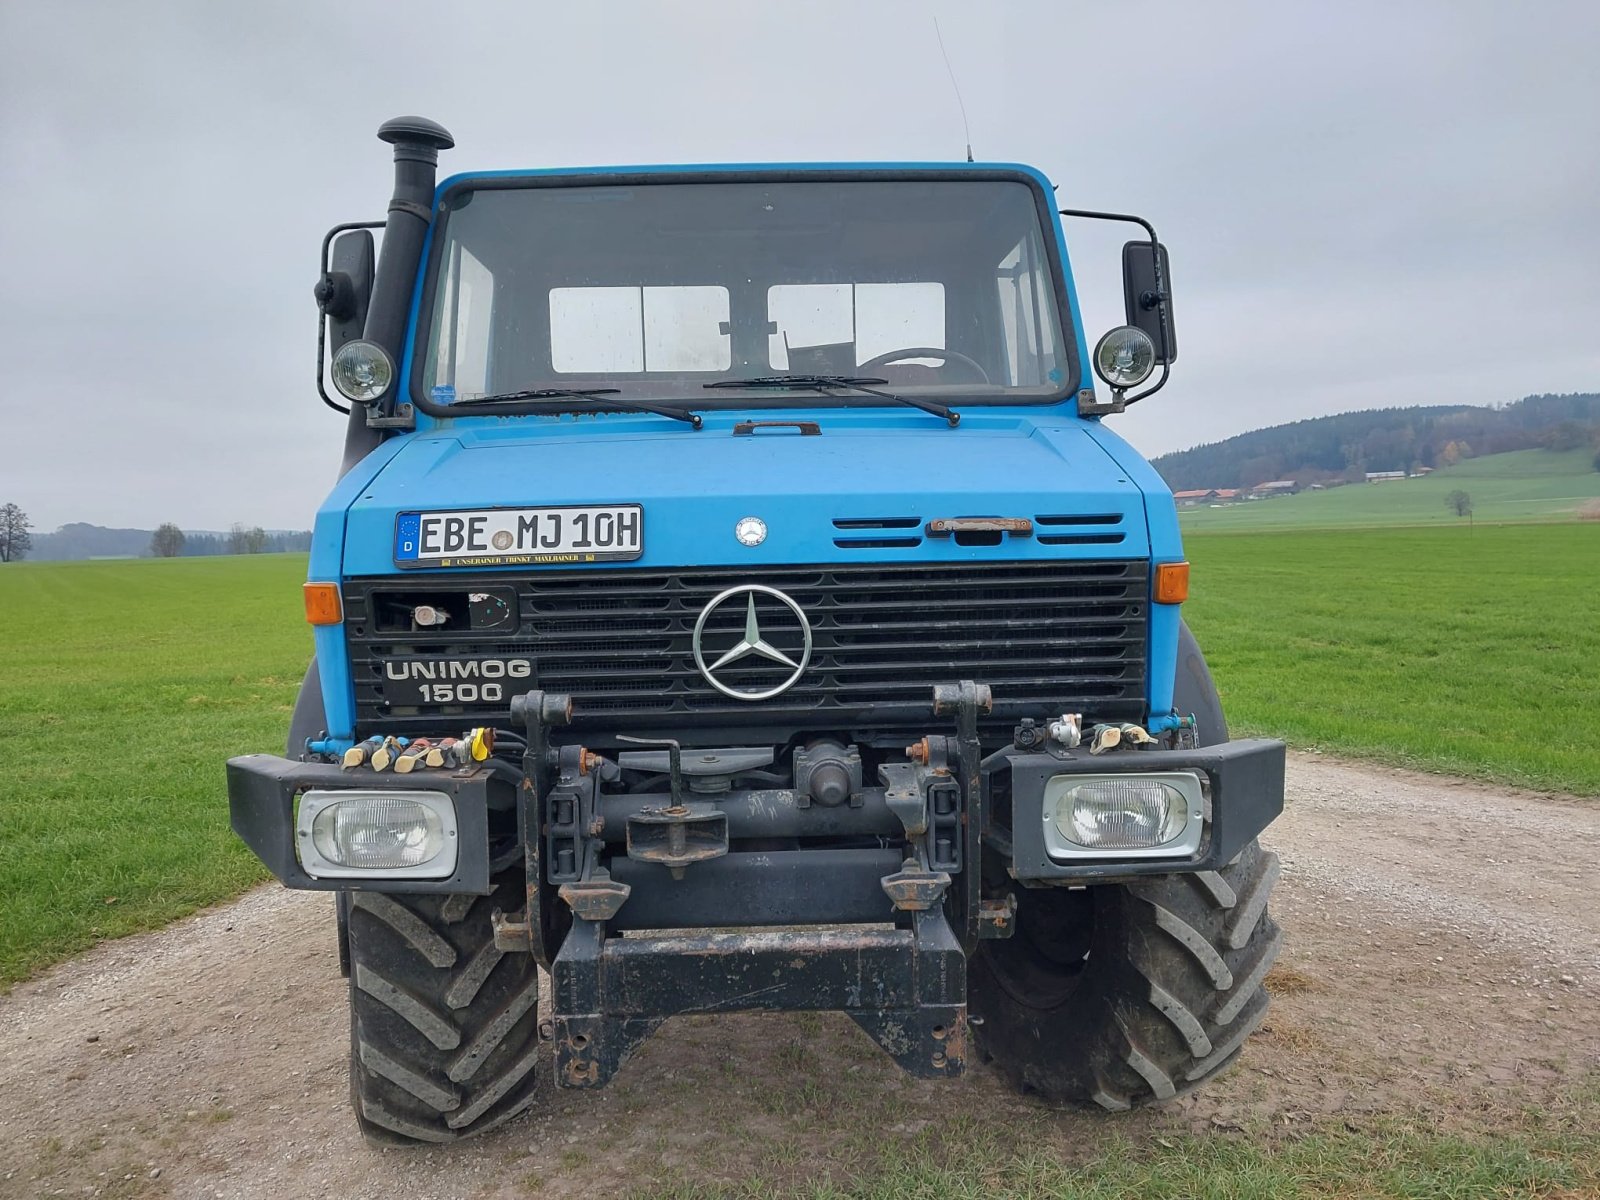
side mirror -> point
(345, 289)
(343, 293)
(1147, 298)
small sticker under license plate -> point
(508, 537)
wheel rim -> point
(1045, 961)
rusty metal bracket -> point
(537, 711)
(903, 794)
(674, 761)
(512, 934)
(998, 918)
(598, 898)
(913, 888)
(945, 526)
(677, 836)
(966, 701)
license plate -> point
(506, 537)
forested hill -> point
(1347, 445)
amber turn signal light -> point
(1172, 583)
(323, 606)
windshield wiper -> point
(854, 383)
(662, 410)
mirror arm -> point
(1147, 300)
(328, 293)
(1153, 388)
(322, 354)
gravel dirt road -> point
(1442, 955)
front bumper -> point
(1244, 794)
(893, 958)
(263, 790)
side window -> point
(466, 316)
(855, 322)
(1027, 315)
(594, 330)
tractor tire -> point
(444, 1028)
(1130, 994)
(307, 720)
(1194, 693)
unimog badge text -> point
(452, 680)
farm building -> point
(1277, 487)
(1384, 476)
(1188, 499)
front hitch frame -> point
(905, 985)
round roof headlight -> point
(1125, 357)
(362, 371)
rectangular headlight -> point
(1127, 815)
(365, 833)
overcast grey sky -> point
(1367, 204)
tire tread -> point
(408, 925)
(1166, 1000)
(444, 1026)
(1254, 904)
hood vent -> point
(1078, 529)
(878, 533)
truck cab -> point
(734, 598)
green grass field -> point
(1539, 1157)
(1525, 485)
(1472, 652)
(126, 685)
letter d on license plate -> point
(503, 537)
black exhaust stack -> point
(417, 142)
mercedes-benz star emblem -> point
(753, 643)
(751, 531)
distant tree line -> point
(1346, 446)
(79, 540)
(169, 541)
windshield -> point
(934, 287)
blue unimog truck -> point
(733, 599)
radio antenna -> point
(960, 103)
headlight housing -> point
(363, 833)
(362, 371)
(1126, 815)
(1124, 357)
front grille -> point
(1048, 637)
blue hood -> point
(694, 486)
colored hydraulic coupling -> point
(1110, 737)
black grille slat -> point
(876, 522)
(1081, 539)
(1047, 636)
(1078, 519)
